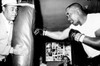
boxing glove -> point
(72, 34)
(76, 35)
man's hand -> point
(76, 35)
(72, 34)
(21, 50)
(39, 32)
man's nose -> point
(15, 12)
(69, 19)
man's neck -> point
(83, 19)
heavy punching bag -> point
(22, 35)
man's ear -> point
(78, 11)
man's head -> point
(9, 12)
(74, 12)
(66, 59)
(9, 8)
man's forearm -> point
(54, 35)
(92, 41)
(57, 35)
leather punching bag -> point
(23, 26)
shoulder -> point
(60, 64)
(43, 64)
(94, 15)
(93, 20)
(1, 17)
(1, 14)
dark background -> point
(50, 14)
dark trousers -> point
(94, 61)
(7, 61)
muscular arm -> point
(93, 41)
(58, 35)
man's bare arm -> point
(58, 35)
(93, 41)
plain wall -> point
(53, 13)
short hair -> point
(66, 57)
(77, 5)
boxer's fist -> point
(76, 35)
(38, 32)
(73, 34)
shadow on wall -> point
(0, 7)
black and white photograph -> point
(55, 51)
(49, 32)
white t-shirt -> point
(88, 28)
(6, 29)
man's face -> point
(65, 60)
(10, 12)
(72, 16)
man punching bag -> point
(23, 41)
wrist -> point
(82, 38)
(11, 50)
(44, 32)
